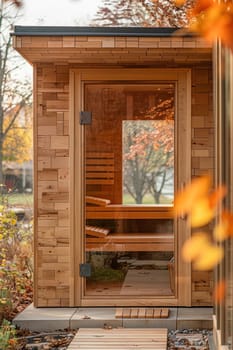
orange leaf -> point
(193, 246)
(201, 212)
(221, 231)
(217, 196)
(185, 199)
(227, 216)
(220, 291)
(213, 20)
(201, 5)
(224, 229)
(209, 258)
(179, 3)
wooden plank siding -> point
(53, 57)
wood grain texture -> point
(122, 338)
(53, 167)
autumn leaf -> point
(179, 3)
(202, 252)
(203, 210)
(220, 291)
(216, 196)
(194, 246)
(201, 5)
(213, 20)
(220, 232)
(209, 257)
(197, 201)
(186, 199)
(224, 229)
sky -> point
(58, 12)
(55, 13)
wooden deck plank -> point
(120, 338)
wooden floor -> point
(120, 339)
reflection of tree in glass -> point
(149, 153)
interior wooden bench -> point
(131, 242)
(99, 239)
(119, 211)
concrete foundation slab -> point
(193, 317)
(44, 319)
(95, 318)
(51, 319)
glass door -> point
(130, 181)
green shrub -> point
(15, 263)
(7, 336)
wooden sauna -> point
(122, 120)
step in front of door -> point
(120, 338)
(142, 313)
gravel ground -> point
(189, 339)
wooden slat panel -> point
(99, 155)
(120, 338)
(99, 182)
(119, 312)
(99, 175)
(164, 313)
(99, 168)
(126, 313)
(99, 161)
(142, 313)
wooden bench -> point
(119, 211)
(99, 239)
(131, 242)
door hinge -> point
(85, 270)
(85, 118)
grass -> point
(106, 274)
(147, 199)
(20, 199)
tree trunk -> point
(1, 163)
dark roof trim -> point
(92, 31)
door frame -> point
(182, 78)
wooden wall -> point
(52, 236)
(202, 160)
(53, 277)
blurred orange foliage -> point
(200, 204)
(212, 20)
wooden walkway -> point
(120, 339)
